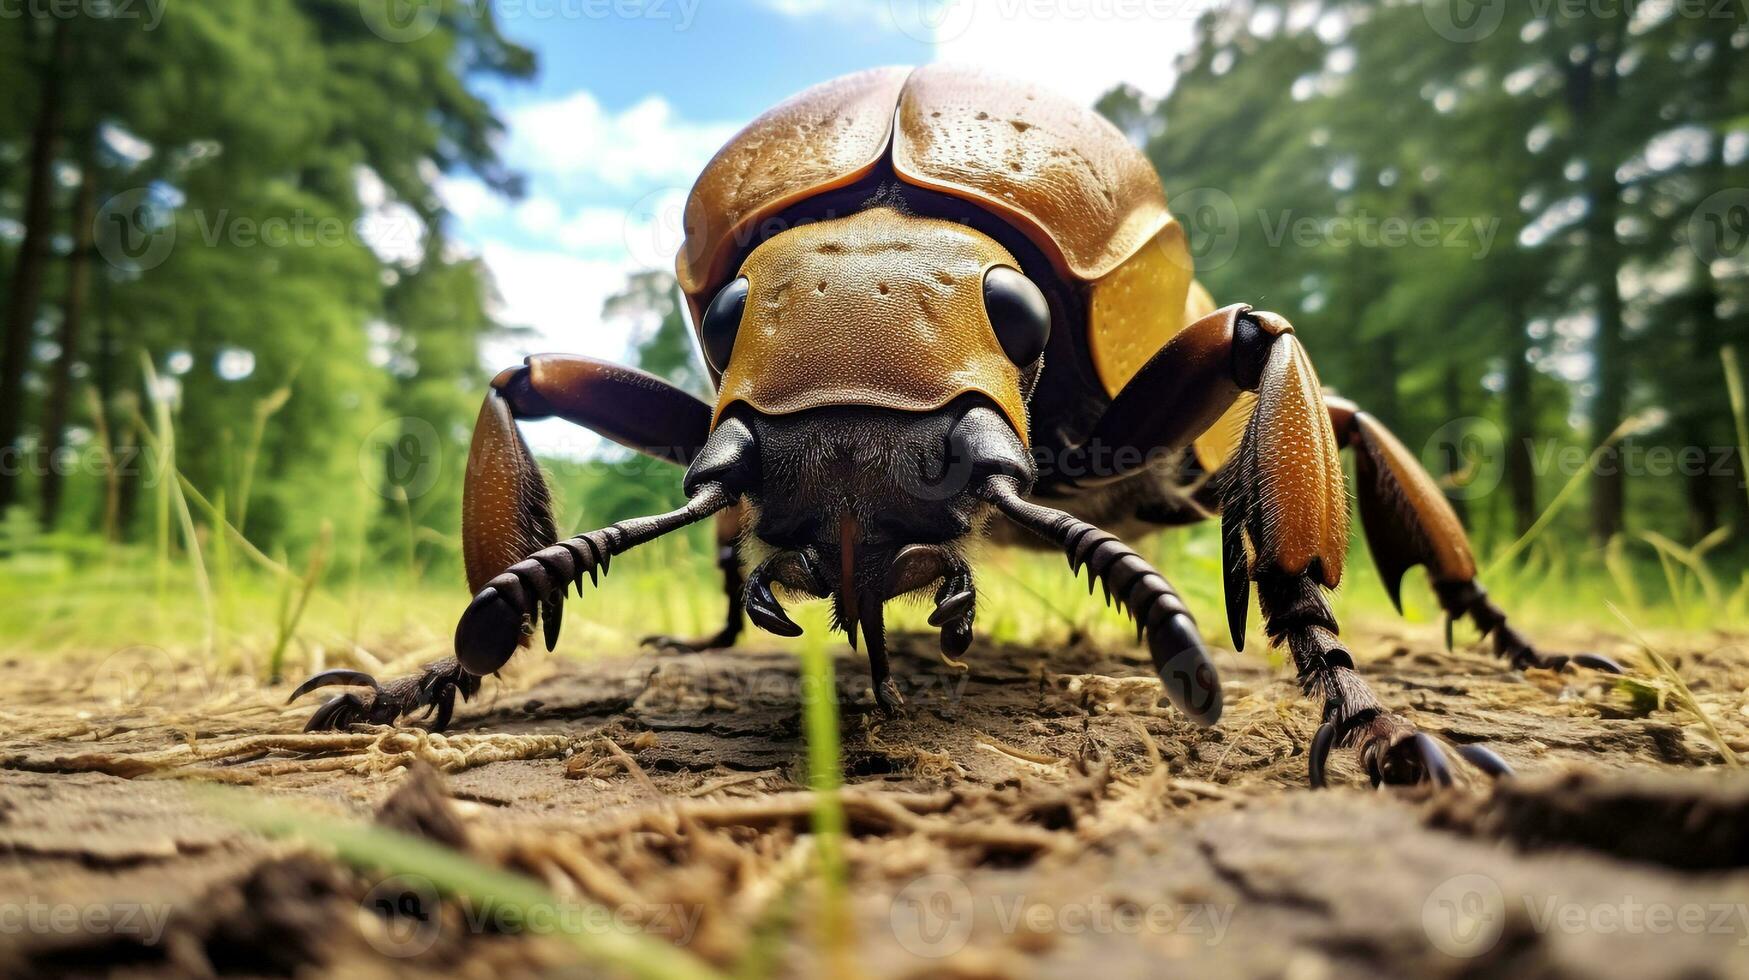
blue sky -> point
(627, 109)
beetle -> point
(939, 305)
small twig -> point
(1036, 758)
(631, 765)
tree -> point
(25, 284)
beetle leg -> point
(433, 688)
(798, 570)
(956, 604)
(506, 509)
(728, 525)
(505, 610)
(1284, 526)
(502, 615)
(919, 565)
(1408, 522)
(1284, 513)
(1391, 750)
(1174, 642)
(870, 614)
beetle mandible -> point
(939, 305)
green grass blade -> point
(1739, 407)
(1559, 503)
(825, 777)
(291, 613)
(455, 874)
(1686, 696)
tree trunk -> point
(1706, 330)
(1593, 85)
(72, 315)
(33, 254)
(1608, 482)
(1520, 423)
(104, 376)
(1452, 390)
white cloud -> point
(574, 138)
(646, 232)
(559, 297)
(866, 11)
(1081, 48)
(468, 199)
(390, 227)
(539, 215)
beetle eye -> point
(1018, 311)
(722, 319)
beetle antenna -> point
(507, 608)
(1174, 642)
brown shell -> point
(1055, 169)
(825, 137)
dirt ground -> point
(1035, 814)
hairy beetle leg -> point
(1393, 752)
(433, 688)
(1467, 597)
(1180, 658)
(507, 608)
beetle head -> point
(852, 487)
(875, 370)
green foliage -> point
(292, 153)
(1559, 164)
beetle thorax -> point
(879, 309)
